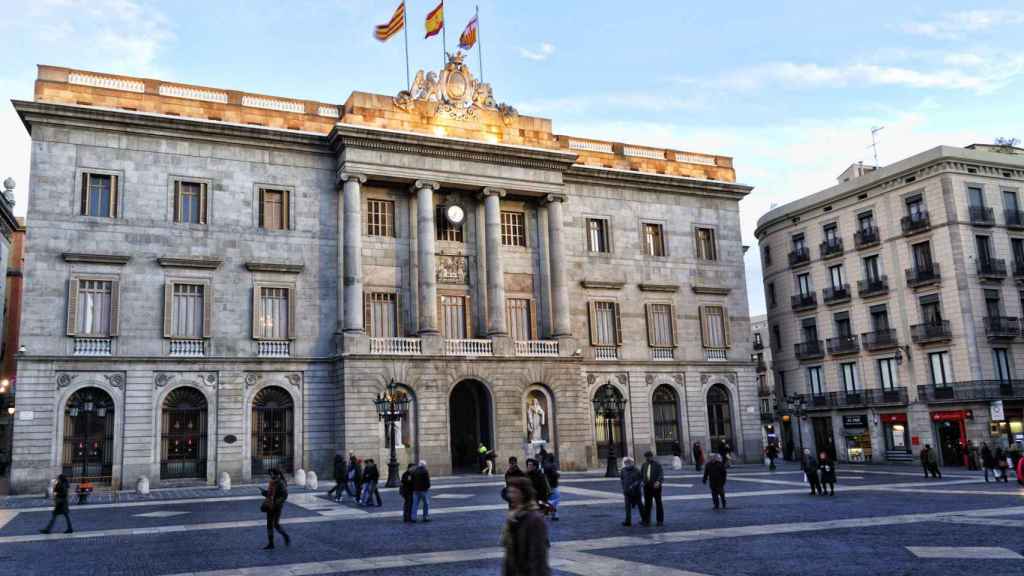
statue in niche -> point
(536, 418)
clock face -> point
(455, 214)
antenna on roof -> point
(874, 141)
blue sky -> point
(789, 89)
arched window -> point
(618, 429)
(88, 436)
(183, 434)
(719, 417)
(273, 427)
(665, 406)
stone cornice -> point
(711, 290)
(603, 284)
(658, 287)
(117, 259)
(657, 182)
(280, 267)
(201, 263)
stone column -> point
(559, 289)
(495, 272)
(425, 237)
(353, 253)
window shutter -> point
(73, 306)
(177, 200)
(202, 203)
(725, 325)
(85, 194)
(115, 307)
(648, 315)
(672, 324)
(533, 321)
(168, 309)
(442, 320)
(470, 333)
(207, 309)
(115, 193)
(592, 312)
(399, 317)
(286, 199)
(704, 337)
(291, 313)
(261, 223)
(256, 310)
(367, 311)
(618, 323)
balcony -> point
(716, 354)
(830, 248)
(799, 257)
(981, 216)
(889, 397)
(468, 347)
(879, 339)
(538, 348)
(810, 350)
(931, 332)
(1002, 327)
(273, 348)
(836, 294)
(915, 223)
(923, 275)
(606, 352)
(187, 348)
(843, 345)
(93, 347)
(1014, 218)
(873, 287)
(972, 391)
(818, 401)
(807, 301)
(866, 237)
(856, 399)
(992, 268)
(767, 418)
(396, 346)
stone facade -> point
(922, 349)
(333, 161)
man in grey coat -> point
(631, 482)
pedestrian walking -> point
(513, 470)
(60, 504)
(698, 456)
(827, 473)
(274, 497)
(340, 479)
(406, 491)
(541, 489)
(525, 534)
(486, 459)
(714, 477)
(810, 467)
(771, 453)
(555, 497)
(930, 462)
(371, 476)
(631, 481)
(724, 450)
(421, 491)
(1002, 466)
(355, 477)
(653, 476)
(988, 461)
(972, 456)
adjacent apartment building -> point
(895, 304)
(766, 399)
(220, 281)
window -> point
(661, 326)
(274, 209)
(455, 318)
(941, 368)
(1010, 200)
(767, 256)
(380, 218)
(1017, 246)
(776, 342)
(992, 306)
(446, 231)
(975, 197)
(706, 249)
(815, 383)
(922, 254)
(931, 309)
(835, 273)
(915, 207)
(92, 308)
(597, 235)
(605, 324)
(799, 244)
(888, 374)
(866, 221)
(380, 315)
(513, 229)
(844, 329)
(848, 371)
(186, 314)
(984, 245)
(771, 294)
(714, 327)
(831, 234)
(654, 240)
(1001, 362)
(99, 195)
(758, 342)
(809, 327)
(274, 313)
(803, 284)
(519, 315)
(190, 202)
(872, 273)
(880, 317)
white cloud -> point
(545, 51)
(55, 32)
(132, 35)
(955, 25)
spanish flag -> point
(435, 20)
(468, 37)
(384, 32)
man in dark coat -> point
(810, 467)
(355, 476)
(827, 473)
(541, 489)
(771, 452)
(988, 461)
(60, 504)
(653, 476)
(371, 475)
(698, 456)
(406, 491)
(631, 481)
(421, 491)
(714, 477)
(340, 478)
(513, 470)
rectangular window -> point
(455, 320)
(661, 332)
(94, 308)
(975, 197)
(866, 221)
(915, 206)
(872, 272)
(446, 231)
(922, 254)
(799, 243)
(99, 195)
(513, 229)
(941, 368)
(831, 233)
(888, 374)
(809, 327)
(1001, 361)
(597, 235)
(520, 318)
(815, 383)
(380, 218)
(848, 370)
(767, 256)
(274, 209)
(189, 202)
(706, 249)
(992, 306)
(842, 323)
(776, 342)
(931, 309)
(714, 327)
(803, 284)
(605, 324)
(880, 317)
(1017, 245)
(273, 314)
(1010, 200)
(380, 315)
(835, 273)
(771, 294)
(188, 311)
(984, 245)
(654, 240)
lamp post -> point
(610, 407)
(797, 404)
(392, 408)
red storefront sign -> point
(952, 415)
(894, 418)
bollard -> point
(677, 463)
(224, 481)
(300, 477)
(311, 480)
(142, 486)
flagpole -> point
(479, 44)
(405, 33)
(444, 38)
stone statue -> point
(536, 421)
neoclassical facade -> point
(221, 281)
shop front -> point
(858, 437)
(951, 436)
(896, 433)
(1007, 423)
(823, 439)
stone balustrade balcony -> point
(469, 347)
(537, 348)
(396, 346)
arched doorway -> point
(88, 436)
(273, 431)
(183, 434)
(719, 417)
(618, 428)
(469, 413)
(665, 405)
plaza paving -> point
(883, 520)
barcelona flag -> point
(468, 37)
(384, 32)
(435, 20)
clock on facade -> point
(455, 214)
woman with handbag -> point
(273, 502)
(1002, 469)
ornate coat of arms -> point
(455, 93)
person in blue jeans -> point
(421, 491)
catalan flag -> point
(384, 32)
(468, 37)
(435, 20)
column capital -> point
(346, 176)
(548, 199)
(421, 184)
(499, 192)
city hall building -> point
(219, 281)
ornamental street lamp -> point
(797, 404)
(392, 408)
(609, 406)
